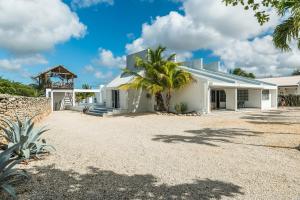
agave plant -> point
(8, 175)
(25, 134)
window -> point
(242, 95)
(265, 95)
(213, 96)
(222, 96)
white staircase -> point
(68, 101)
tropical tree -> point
(288, 29)
(174, 78)
(157, 75)
(81, 96)
(240, 72)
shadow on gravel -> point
(272, 118)
(211, 137)
(51, 183)
(207, 136)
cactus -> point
(25, 134)
(9, 175)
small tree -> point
(84, 95)
(173, 79)
(240, 72)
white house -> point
(286, 85)
(59, 84)
(213, 90)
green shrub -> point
(15, 88)
(181, 108)
(290, 100)
(9, 175)
(25, 134)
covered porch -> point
(242, 98)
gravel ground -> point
(227, 155)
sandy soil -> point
(227, 155)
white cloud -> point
(36, 25)
(9, 65)
(89, 68)
(229, 32)
(98, 74)
(88, 3)
(205, 24)
(107, 59)
(16, 64)
(260, 56)
(103, 76)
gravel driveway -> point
(225, 155)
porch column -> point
(274, 98)
(208, 106)
(231, 99)
(52, 101)
(73, 98)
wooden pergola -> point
(66, 78)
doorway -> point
(115, 98)
(218, 99)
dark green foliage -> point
(290, 100)
(296, 72)
(82, 96)
(15, 88)
(181, 108)
(8, 175)
(240, 72)
(24, 133)
(260, 8)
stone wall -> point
(24, 106)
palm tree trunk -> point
(159, 102)
(168, 100)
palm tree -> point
(150, 79)
(173, 79)
(158, 75)
(289, 29)
(240, 72)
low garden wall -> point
(24, 106)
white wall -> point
(139, 101)
(231, 98)
(108, 97)
(194, 95)
(274, 98)
(254, 98)
(123, 98)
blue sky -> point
(91, 37)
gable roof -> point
(218, 79)
(283, 81)
(221, 78)
(58, 69)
